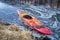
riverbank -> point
(13, 32)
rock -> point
(46, 38)
(7, 24)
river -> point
(47, 15)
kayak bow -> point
(34, 23)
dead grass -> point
(13, 32)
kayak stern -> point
(44, 31)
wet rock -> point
(46, 38)
(7, 24)
(42, 38)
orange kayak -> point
(34, 23)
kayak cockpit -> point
(27, 16)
